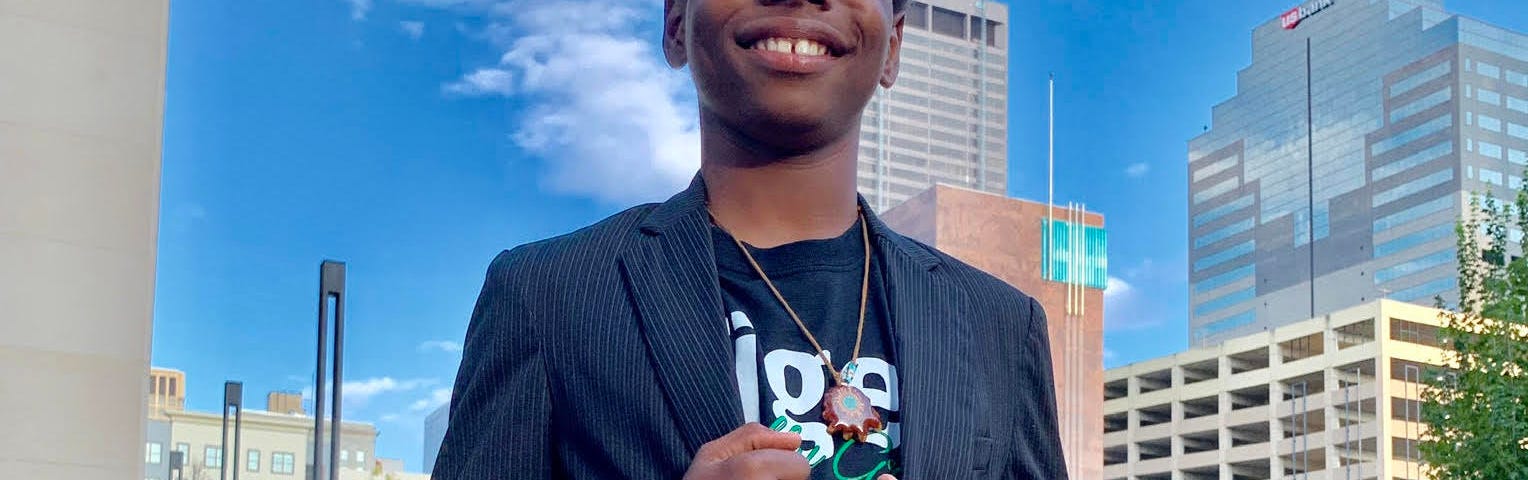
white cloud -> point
(413, 29)
(1124, 309)
(442, 345)
(391, 417)
(600, 110)
(482, 82)
(357, 393)
(358, 8)
(1137, 170)
(438, 397)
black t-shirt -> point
(780, 376)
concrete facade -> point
(1003, 237)
(945, 120)
(1335, 175)
(270, 443)
(81, 108)
(1333, 397)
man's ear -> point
(893, 52)
(673, 32)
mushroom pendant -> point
(847, 412)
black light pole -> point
(331, 284)
(233, 397)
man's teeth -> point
(794, 46)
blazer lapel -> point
(671, 273)
(938, 386)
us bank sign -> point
(1294, 16)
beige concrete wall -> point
(81, 107)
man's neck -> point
(768, 199)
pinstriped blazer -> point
(605, 353)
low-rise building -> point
(1334, 397)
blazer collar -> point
(691, 202)
(673, 281)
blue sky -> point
(414, 139)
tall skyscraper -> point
(945, 120)
(434, 434)
(81, 116)
(1337, 172)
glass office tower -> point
(945, 120)
(1336, 174)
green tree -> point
(1475, 412)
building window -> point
(1412, 187)
(1225, 301)
(949, 23)
(212, 457)
(283, 463)
(1214, 191)
(1517, 156)
(1223, 210)
(1488, 149)
(344, 455)
(360, 457)
(917, 16)
(1488, 122)
(185, 452)
(172, 386)
(1517, 78)
(1417, 211)
(1406, 84)
(1517, 130)
(1425, 155)
(252, 460)
(1517, 104)
(1488, 96)
(1424, 291)
(1487, 69)
(1402, 244)
(1223, 233)
(1414, 265)
(1428, 128)
(1216, 167)
(1224, 324)
(1420, 104)
(1245, 248)
(153, 453)
(1224, 279)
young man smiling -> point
(763, 323)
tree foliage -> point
(1475, 411)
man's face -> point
(791, 75)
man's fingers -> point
(747, 438)
(885, 476)
(771, 463)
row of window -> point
(1223, 256)
(1223, 210)
(1225, 301)
(1426, 128)
(1424, 291)
(1224, 279)
(1215, 191)
(1416, 211)
(1225, 324)
(1420, 157)
(1406, 242)
(1413, 266)
(1223, 232)
(212, 457)
(1492, 97)
(950, 23)
(1414, 186)
(1421, 104)
(1217, 167)
(1417, 79)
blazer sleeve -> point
(1037, 435)
(500, 406)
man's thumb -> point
(885, 476)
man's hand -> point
(752, 452)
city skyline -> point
(414, 131)
(1336, 174)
